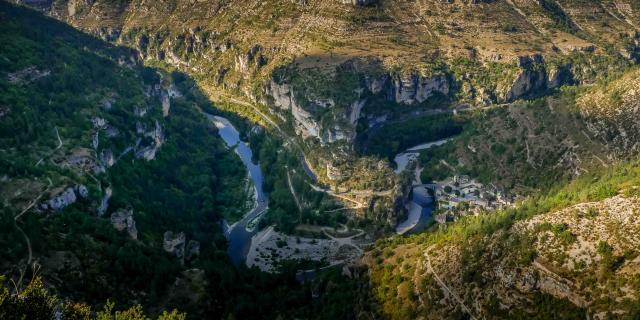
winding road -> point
(305, 163)
(359, 204)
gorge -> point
(319, 159)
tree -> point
(35, 303)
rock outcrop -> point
(149, 152)
(533, 77)
(408, 88)
(123, 220)
(558, 76)
(65, 198)
(415, 88)
(530, 78)
(527, 82)
(107, 159)
(174, 243)
(166, 104)
(283, 98)
(104, 203)
(250, 60)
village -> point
(460, 195)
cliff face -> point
(402, 89)
(237, 46)
(333, 70)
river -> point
(402, 159)
(421, 204)
(239, 234)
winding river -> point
(239, 234)
(421, 204)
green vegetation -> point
(190, 185)
(35, 302)
(312, 86)
(472, 234)
(277, 163)
(192, 182)
(560, 18)
(395, 138)
(435, 162)
(54, 82)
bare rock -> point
(107, 158)
(558, 76)
(123, 220)
(63, 199)
(527, 82)
(149, 152)
(82, 191)
(174, 243)
(414, 88)
(104, 203)
(99, 123)
(27, 75)
(166, 104)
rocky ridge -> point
(585, 257)
(237, 58)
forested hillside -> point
(464, 159)
(101, 157)
(568, 251)
(332, 73)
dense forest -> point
(119, 197)
(67, 100)
(391, 140)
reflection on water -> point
(421, 204)
(237, 234)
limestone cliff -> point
(237, 47)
